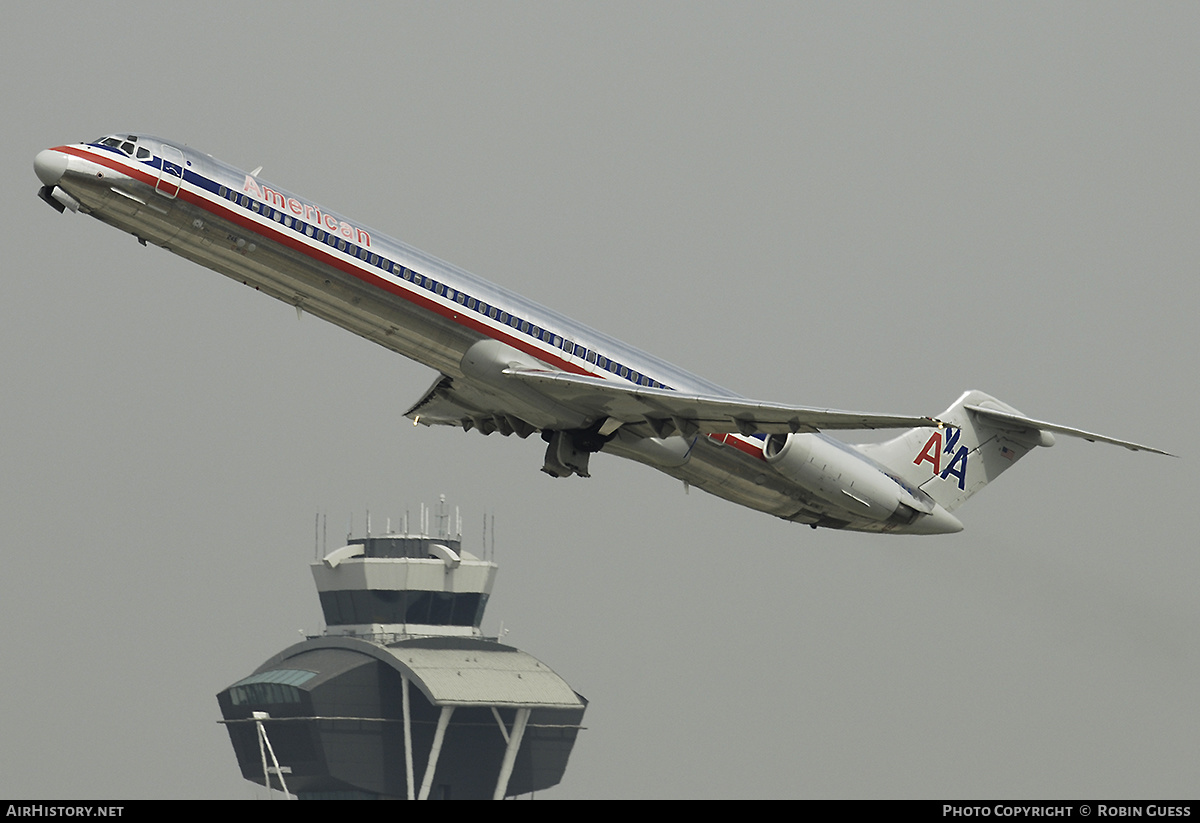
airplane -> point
(506, 364)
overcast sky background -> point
(873, 206)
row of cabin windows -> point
(441, 289)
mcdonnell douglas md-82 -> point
(507, 364)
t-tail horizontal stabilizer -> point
(1005, 420)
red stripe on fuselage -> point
(742, 444)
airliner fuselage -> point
(510, 365)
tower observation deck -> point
(403, 696)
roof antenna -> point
(443, 518)
(255, 172)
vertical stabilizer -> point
(955, 461)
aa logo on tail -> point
(935, 448)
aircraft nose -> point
(49, 166)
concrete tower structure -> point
(403, 696)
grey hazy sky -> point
(867, 206)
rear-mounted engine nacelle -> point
(833, 472)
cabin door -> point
(170, 176)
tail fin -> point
(953, 462)
(980, 437)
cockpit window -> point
(126, 144)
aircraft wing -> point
(451, 402)
(637, 410)
(1018, 422)
(653, 412)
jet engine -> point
(843, 477)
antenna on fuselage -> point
(255, 172)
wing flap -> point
(437, 407)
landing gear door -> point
(170, 176)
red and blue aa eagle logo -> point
(935, 448)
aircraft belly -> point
(133, 208)
(741, 478)
(727, 473)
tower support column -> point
(435, 750)
(510, 753)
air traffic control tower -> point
(403, 696)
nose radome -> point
(49, 166)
